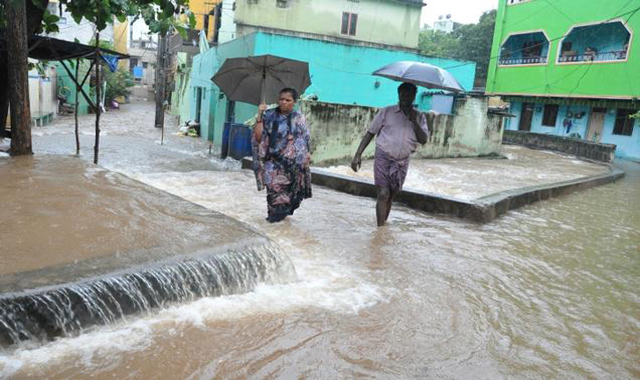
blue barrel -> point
(224, 150)
(239, 141)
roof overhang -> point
(416, 3)
(53, 49)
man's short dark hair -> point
(290, 91)
(408, 87)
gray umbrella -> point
(256, 79)
(421, 74)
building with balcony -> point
(569, 69)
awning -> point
(595, 103)
(53, 49)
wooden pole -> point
(76, 111)
(96, 147)
(162, 133)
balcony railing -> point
(523, 61)
(616, 55)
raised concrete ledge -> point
(420, 200)
(504, 201)
(569, 145)
(481, 210)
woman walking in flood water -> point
(281, 156)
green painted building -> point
(570, 68)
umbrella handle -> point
(263, 85)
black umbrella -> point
(421, 74)
(259, 79)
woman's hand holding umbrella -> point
(257, 131)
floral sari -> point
(281, 162)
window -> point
(145, 65)
(550, 115)
(624, 124)
(529, 48)
(282, 3)
(349, 23)
(600, 42)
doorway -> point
(596, 124)
(525, 117)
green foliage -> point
(437, 43)
(470, 42)
(103, 44)
(159, 15)
(118, 84)
(635, 115)
(49, 23)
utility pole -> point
(160, 81)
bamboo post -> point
(96, 147)
(76, 111)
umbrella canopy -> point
(256, 79)
(421, 74)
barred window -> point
(349, 23)
(624, 124)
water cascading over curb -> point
(46, 313)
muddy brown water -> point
(547, 291)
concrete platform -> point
(478, 189)
(83, 246)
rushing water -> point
(547, 291)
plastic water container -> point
(239, 141)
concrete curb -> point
(482, 210)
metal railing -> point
(616, 55)
(523, 61)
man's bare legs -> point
(383, 204)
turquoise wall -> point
(626, 146)
(340, 73)
(65, 81)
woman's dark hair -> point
(408, 87)
(290, 91)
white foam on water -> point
(325, 285)
(325, 281)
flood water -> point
(547, 291)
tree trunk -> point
(160, 82)
(18, 63)
(4, 94)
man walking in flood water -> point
(398, 130)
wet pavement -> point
(547, 291)
(473, 178)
